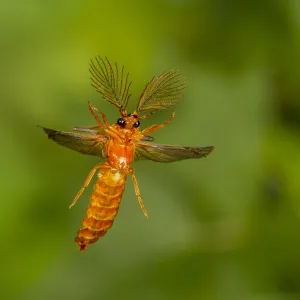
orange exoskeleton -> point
(119, 144)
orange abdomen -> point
(103, 207)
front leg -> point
(91, 109)
(156, 127)
(100, 112)
(105, 126)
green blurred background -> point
(225, 227)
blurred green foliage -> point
(225, 227)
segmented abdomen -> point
(103, 207)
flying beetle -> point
(121, 143)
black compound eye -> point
(136, 124)
(121, 122)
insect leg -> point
(156, 127)
(137, 192)
(107, 128)
(91, 108)
(102, 115)
(145, 116)
(87, 182)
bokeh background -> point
(224, 227)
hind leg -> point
(137, 192)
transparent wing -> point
(83, 143)
(90, 129)
(147, 138)
(168, 153)
(110, 82)
(99, 130)
(162, 92)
